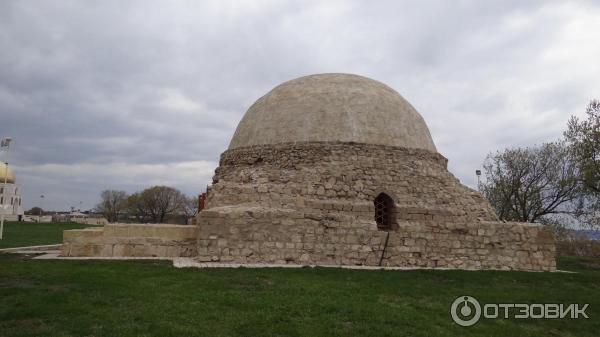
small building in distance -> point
(87, 218)
(10, 196)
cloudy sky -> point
(128, 94)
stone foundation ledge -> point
(195, 263)
(188, 262)
(131, 240)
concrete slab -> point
(37, 249)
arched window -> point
(384, 207)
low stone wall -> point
(131, 240)
(260, 235)
(90, 221)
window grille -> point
(384, 206)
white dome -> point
(333, 108)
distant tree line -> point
(551, 182)
(153, 205)
(35, 211)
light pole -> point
(41, 208)
(4, 144)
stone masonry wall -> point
(312, 203)
(259, 235)
(131, 240)
(344, 177)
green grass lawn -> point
(19, 234)
(152, 298)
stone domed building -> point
(339, 169)
(333, 169)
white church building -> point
(10, 197)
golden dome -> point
(10, 177)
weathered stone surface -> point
(132, 240)
(312, 203)
(333, 107)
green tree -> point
(137, 208)
(35, 211)
(528, 184)
(583, 137)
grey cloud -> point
(102, 85)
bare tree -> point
(526, 184)
(111, 204)
(160, 201)
(190, 207)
